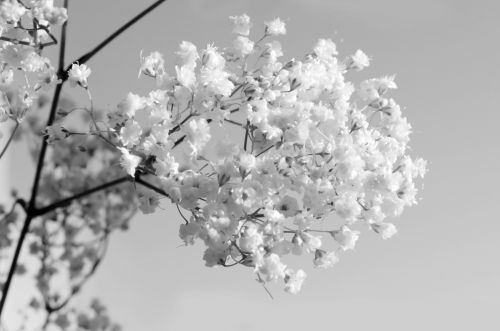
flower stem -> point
(36, 182)
(84, 58)
(10, 139)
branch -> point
(77, 288)
(246, 135)
(66, 201)
(38, 172)
(10, 139)
(151, 186)
(62, 73)
(86, 57)
(13, 265)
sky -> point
(441, 270)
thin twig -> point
(10, 139)
(86, 57)
(246, 136)
(151, 187)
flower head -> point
(275, 27)
(128, 161)
(78, 75)
(241, 24)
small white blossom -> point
(130, 134)
(78, 74)
(275, 27)
(185, 76)
(294, 280)
(128, 161)
(188, 54)
(358, 61)
(323, 259)
(241, 24)
(152, 65)
(386, 230)
(11, 11)
(271, 268)
(346, 237)
(131, 104)
(198, 134)
(243, 46)
(325, 49)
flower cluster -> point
(25, 29)
(319, 157)
(316, 149)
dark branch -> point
(67, 201)
(39, 167)
(151, 186)
(86, 57)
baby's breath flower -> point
(152, 65)
(275, 27)
(358, 61)
(78, 74)
(128, 161)
(346, 237)
(294, 280)
(241, 24)
(386, 230)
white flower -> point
(185, 76)
(188, 54)
(243, 46)
(346, 237)
(325, 49)
(271, 268)
(275, 27)
(166, 166)
(288, 206)
(198, 132)
(216, 80)
(294, 280)
(375, 88)
(128, 161)
(152, 65)
(189, 232)
(386, 230)
(212, 59)
(78, 74)
(55, 132)
(323, 259)
(358, 61)
(130, 134)
(251, 239)
(310, 242)
(131, 104)
(347, 207)
(11, 11)
(241, 24)
(247, 161)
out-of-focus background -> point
(440, 272)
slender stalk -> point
(10, 139)
(246, 136)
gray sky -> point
(440, 271)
